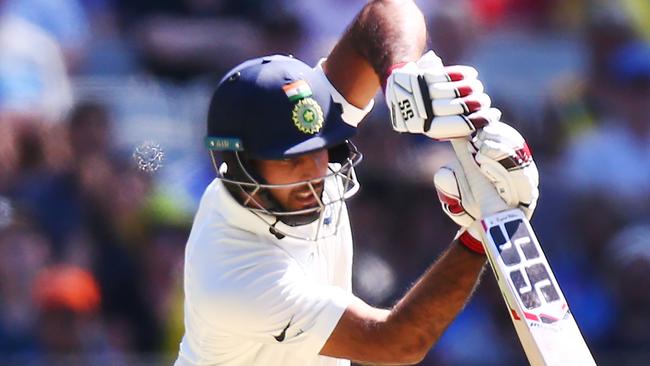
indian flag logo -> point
(297, 90)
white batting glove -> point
(507, 178)
(505, 159)
(465, 200)
(459, 204)
(440, 102)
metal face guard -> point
(339, 185)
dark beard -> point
(269, 202)
(296, 220)
(299, 220)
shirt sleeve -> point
(274, 303)
(352, 115)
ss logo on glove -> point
(440, 102)
(406, 109)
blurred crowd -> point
(91, 243)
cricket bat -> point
(546, 329)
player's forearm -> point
(388, 32)
(384, 33)
(420, 318)
(404, 334)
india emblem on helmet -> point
(307, 115)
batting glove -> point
(459, 204)
(501, 156)
(504, 158)
(440, 102)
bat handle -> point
(483, 190)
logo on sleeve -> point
(280, 337)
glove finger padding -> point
(457, 126)
(447, 73)
(426, 97)
(455, 195)
(460, 72)
(455, 89)
(505, 159)
(465, 105)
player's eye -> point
(288, 162)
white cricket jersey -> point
(254, 299)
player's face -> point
(305, 167)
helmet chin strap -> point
(275, 231)
(299, 220)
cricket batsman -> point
(268, 263)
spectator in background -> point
(84, 177)
(24, 250)
(166, 228)
(33, 76)
(100, 195)
(612, 159)
(608, 172)
(182, 40)
(629, 266)
(453, 32)
(69, 333)
(577, 104)
(63, 20)
(578, 107)
(35, 93)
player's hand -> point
(505, 177)
(441, 102)
(458, 202)
(504, 158)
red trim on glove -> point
(472, 106)
(471, 242)
(464, 91)
(455, 76)
(524, 154)
(453, 203)
(390, 71)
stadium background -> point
(91, 247)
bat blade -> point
(546, 328)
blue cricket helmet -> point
(274, 107)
